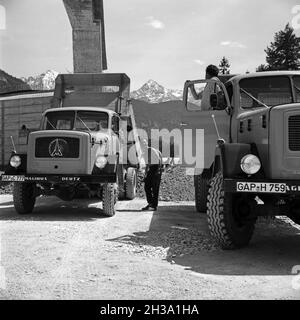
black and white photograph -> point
(149, 151)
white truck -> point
(81, 148)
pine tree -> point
(284, 52)
(224, 66)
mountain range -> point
(151, 92)
(167, 115)
(10, 84)
(44, 81)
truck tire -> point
(109, 199)
(130, 184)
(122, 188)
(23, 196)
(201, 192)
(229, 218)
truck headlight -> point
(250, 164)
(15, 161)
(101, 162)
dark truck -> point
(251, 151)
(81, 147)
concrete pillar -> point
(87, 21)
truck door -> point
(205, 101)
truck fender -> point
(228, 158)
(111, 167)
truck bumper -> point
(279, 187)
(46, 178)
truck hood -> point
(284, 146)
(59, 152)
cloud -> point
(233, 44)
(154, 23)
(200, 62)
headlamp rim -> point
(104, 162)
(17, 159)
(254, 158)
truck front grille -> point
(294, 133)
(57, 147)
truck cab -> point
(79, 134)
(251, 163)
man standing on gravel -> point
(153, 174)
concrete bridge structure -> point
(87, 22)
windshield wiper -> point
(77, 117)
(48, 121)
(257, 100)
(298, 89)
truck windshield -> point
(296, 81)
(91, 121)
(62, 120)
(76, 120)
(265, 92)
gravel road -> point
(69, 251)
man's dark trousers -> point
(152, 183)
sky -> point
(169, 41)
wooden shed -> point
(20, 114)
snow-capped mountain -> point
(44, 81)
(153, 92)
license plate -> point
(7, 178)
(261, 187)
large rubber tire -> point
(109, 199)
(24, 198)
(229, 219)
(130, 184)
(201, 192)
(122, 189)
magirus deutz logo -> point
(58, 148)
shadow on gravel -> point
(8, 203)
(55, 210)
(180, 235)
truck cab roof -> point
(239, 77)
(95, 109)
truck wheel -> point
(130, 184)
(24, 198)
(201, 192)
(121, 188)
(109, 198)
(229, 216)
